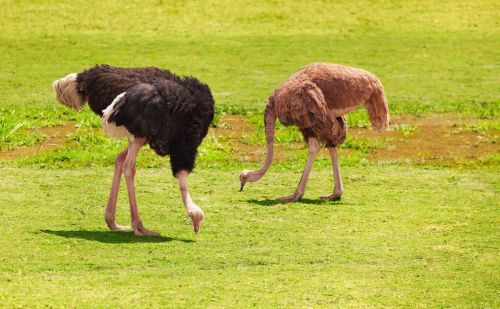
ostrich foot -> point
(290, 198)
(140, 230)
(332, 197)
(115, 227)
(196, 215)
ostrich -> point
(148, 106)
(315, 99)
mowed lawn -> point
(401, 237)
(405, 234)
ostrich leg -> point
(299, 192)
(338, 187)
(193, 211)
(129, 173)
(110, 214)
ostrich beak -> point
(196, 218)
(196, 226)
(242, 181)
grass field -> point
(404, 237)
(431, 56)
(418, 223)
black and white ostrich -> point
(147, 105)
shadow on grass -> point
(272, 202)
(113, 237)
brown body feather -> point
(317, 97)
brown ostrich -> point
(315, 99)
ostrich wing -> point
(140, 110)
(301, 105)
(147, 109)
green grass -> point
(401, 237)
(430, 57)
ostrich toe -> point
(115, 227)
(110, 222)
(140, 230)
(331, 197)
(290, 198)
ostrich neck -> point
(269, 122)
(258, 174)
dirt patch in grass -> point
(436, 139)
(234, 128)
(56, 136)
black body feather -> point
(173, 113)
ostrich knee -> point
(314, 148)
(120, 158)
(129, 170)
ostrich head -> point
(250, 176)
(196, 215)
(244, 175)
(67, 92)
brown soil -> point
(234, 127)
(55, 136)
(437, 139)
